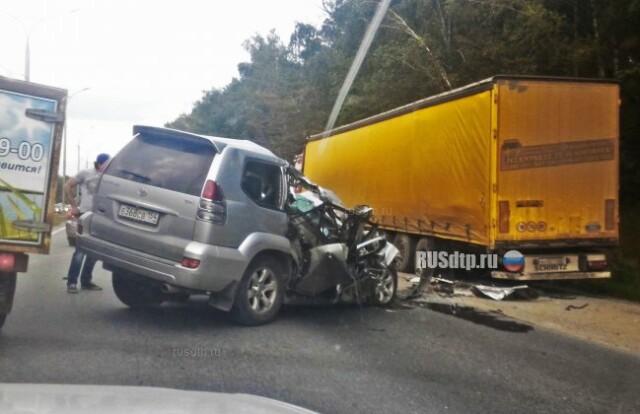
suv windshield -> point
(178, 164)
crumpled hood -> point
(98, 399)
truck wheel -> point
(260, 293)
(136, 293)
(7, 292)
(406, 246)
(71, 241)
(385, 290)
(425, 274)
(425, 244)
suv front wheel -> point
(260, 293)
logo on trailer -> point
(513, 261)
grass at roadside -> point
(624, 262)
(624, 283)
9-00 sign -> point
(25, 150)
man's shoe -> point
(72, 289)
(91, 286)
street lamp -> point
(27, 34)
(64, 147)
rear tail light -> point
(190, 263)
(596, 262)
(503, 216)
(7, 262)
(609, 214)
(212, 208)
(210, 190)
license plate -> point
(543, 264)
(138, 214)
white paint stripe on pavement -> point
(58, 230)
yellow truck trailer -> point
(511, 163)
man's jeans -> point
(74, 269)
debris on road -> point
(605, 320)
(439, 279)
(456, 288)
(576, 307)
(414, 281)
(496, 292)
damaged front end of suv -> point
(339, 254)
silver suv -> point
(178, 213)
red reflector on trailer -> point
(503, 216)
(609, 214)
(597, 262)
(598, 266)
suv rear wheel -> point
(260, 293)
(134, 292)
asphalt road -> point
(328, 359)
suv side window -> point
(262, 182)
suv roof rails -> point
(219, 142)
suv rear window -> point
(174, 163)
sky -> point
(143, 62)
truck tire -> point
(406, 246)
(260, 293)
(135, 292)
(71, 241)
(7, 292)
(425, 244)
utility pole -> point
(64, 146)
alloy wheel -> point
(262, 290)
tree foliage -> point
(424, 47)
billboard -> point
(28, 151)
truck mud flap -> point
(7, 291)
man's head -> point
(101, 162)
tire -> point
(7, 293)
(136, 293)
(385, 292)
(262, 282)
(71, 241)
(177, 297)
(406, 246)
(425, 244)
